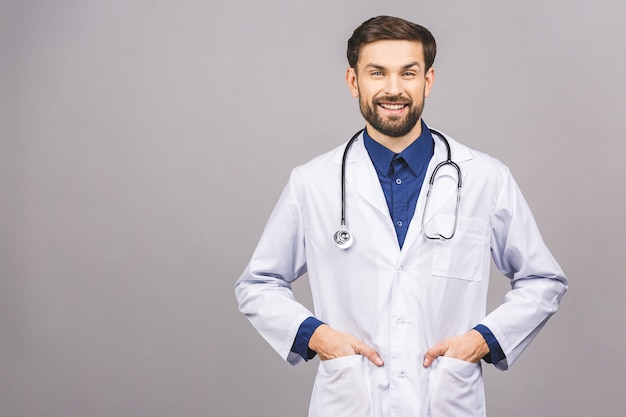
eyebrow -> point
(407, 66)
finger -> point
(369, 353)
(432, 353)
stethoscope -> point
(344, 239)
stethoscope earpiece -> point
(343, 238)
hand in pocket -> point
(329, 343)
(470, 347)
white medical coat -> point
(400, 301)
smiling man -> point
(399, 291)
(391, 96)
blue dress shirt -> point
(401, 177)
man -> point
(400, 323)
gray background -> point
(144, 143)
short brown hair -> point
(391, 28)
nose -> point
(393, 86)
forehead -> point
(390, 53)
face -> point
(391, 84)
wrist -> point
(481, 343)
(317, 336)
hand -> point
(470, 347)
(329, 343)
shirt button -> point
(402, 374)
(399, 223)
(398, 181)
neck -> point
(395, 144)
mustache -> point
(392, 99)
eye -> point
(376, 74)
(409, 74)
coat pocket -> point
(342, 388)
(463, 256)
(455, 389)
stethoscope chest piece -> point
(343, 238)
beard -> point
(395, 126)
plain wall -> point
(143, 145)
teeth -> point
(393, 106)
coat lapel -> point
(361, 176)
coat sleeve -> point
(264, 289)
(537, 281)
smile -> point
(392, 106)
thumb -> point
(432, 353)
(369, 353)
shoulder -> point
(318, 178)
(321, 166)
(467, 155)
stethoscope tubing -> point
(343, 238)
(448, 161)
(343, 176)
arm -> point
(265, 296)
(537, 281)
(264, 289)
(537, 285)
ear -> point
(430, 80)
(352, 82)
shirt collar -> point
(417, 154)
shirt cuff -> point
(301, 342)
(495, 354)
